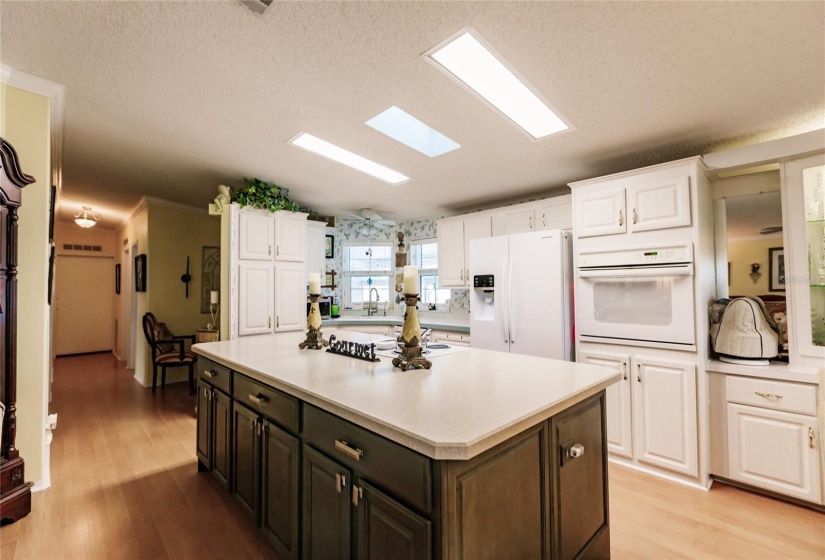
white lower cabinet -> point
(651, 411)
(255, 298)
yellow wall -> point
(26, 125)
(71, 233)
(175, 234)
(740, 255)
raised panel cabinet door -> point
(659, 206)
(290, 239)
(555, 213)
(386, 529)
(618, 397)
(280, 516)
(326, 517)
(255, 299)
(522, 220)
(450, 235)
(579, 482)
(774, 450)
(600, 213)
(316, 239)
(256, 241)
(204, 445)
(290, 297)
(664, 414)
(222, 437)
(479, 227)
(246, 458)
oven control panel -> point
(642, 256)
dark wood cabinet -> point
(280, 519)
(214, 432)
(205, 432)
(246, 458)
(326, 517)
(386, 529)
(15, 492)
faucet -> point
(369, 304)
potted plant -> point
(263, 195)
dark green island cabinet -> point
(323, 488)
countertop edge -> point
(774, 371)
(439, 452)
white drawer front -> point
(776, 395)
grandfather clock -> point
(15, 493)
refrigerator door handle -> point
(503, 304)
(510, 297)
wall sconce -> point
(755, 274)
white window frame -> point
(440, 307)
(347, 274)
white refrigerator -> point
(521, 294)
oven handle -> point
(679, 270)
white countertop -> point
(447, 322)
(467, 403)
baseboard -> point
(775, 495)
(697, 485)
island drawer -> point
(767, 393)
(400, 470)
(272, 403)
(215, 374)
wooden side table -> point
(206, 335)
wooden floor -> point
(125, 485)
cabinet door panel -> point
(600, 213)
(221, 428)
(326, 508)
(316, 239)
(664, 406)
(290, 297)
(659, 206)
(451, 253)
(555, 213)
(522, 220)
(290, 239)
(386, 529)
(474, 228)
(773, 450)
(255, 301)
(246, 458)
(204, 445)
(280, 485)
(255, 237)
(619, 412)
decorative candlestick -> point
(410, 357)
(315, 339)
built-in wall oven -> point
(637, 296)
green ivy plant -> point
(263, 195)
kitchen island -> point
(486, 455)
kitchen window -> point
(424, 255)
(367, 265)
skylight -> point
(486, 74)
(336, 153)
(405, 128)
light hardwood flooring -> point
(125, 485)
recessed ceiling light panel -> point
(345, 157)
(470, 61)
(405, 128)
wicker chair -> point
(168, 351)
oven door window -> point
(642, 301)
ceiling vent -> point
(257, 6)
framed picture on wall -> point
(117, 278)
(140, 273)
(776, 269)
(329, 248)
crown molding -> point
(141, 204)
(176, 205)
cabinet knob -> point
(209, 373)
(576, 451)
(352, 452)
(258, 399)
(768, 395)
(624, 370)
(269, 250)
(810, 437)
(635, 216)
(340, 482)
(530, 221)
(277, 250)
(462, 275)
(639, 373)
(621, 218)
(357, 494)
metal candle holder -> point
(410, 357)
(315, 339)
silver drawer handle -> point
(258, 399)
(352, 452)
(768, 395)
(209, 373)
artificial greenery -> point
(263, 195)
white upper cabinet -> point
(659, 205)
(290, 237)
(290, 297)
(517, 220)
(256, 236)
(316, 238)
(555, 213)
(454, 236)
(255, 297)
(600, 213)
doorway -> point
(133, 318)
(84, 310)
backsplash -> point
(348, 230)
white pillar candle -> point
(315, 282)
(410, 279)
(213, 296)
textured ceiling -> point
(747, 215)
(170, 99)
